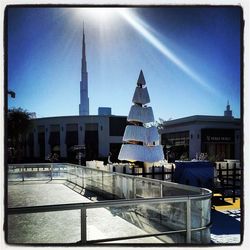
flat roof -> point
(203, 118)
(76, 116)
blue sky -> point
(190, 58)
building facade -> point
(99, 134)
(217, 136)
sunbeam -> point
(137, 24)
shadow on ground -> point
(217, 201)
(225, 223)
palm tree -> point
(19, 122)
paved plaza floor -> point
(64, 226)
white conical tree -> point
(141, 140)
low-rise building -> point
(217, 136)
(99, 134)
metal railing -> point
(229, 177)
(45, 171)
(72, 173)
(100, 204)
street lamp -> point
(80, 151)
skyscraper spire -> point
(228, 111)
(84, 99)
(84, 63)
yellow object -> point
(227, 204)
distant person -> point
(171, 157)
(53, 157)
(109, 158)
(167, 155)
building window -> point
(114, 149)
(117, 126)
(54, 138)
(71, 137)
(91, 127)
(178, 143)
(41, 141)
(175, 139)
(218, 143)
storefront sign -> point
(217, 135)
(218, 138)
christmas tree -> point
(141, 138)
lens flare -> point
(99, 15)
(138, 25)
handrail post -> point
(83, 225)
(102, 180)
(172, 172)
(23, 173)
(227, 173)
(234, 182)
(188, 210)
(134, 187)
(51, 171)
(162, 172)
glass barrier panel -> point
(79, 176)
(139, 219)
(71, 176)
(59, 171)
(147, 189)
(108, 185)
(97, 181)
(200, 214)
(15, 173)
(87, 173)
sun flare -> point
(101, 15)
